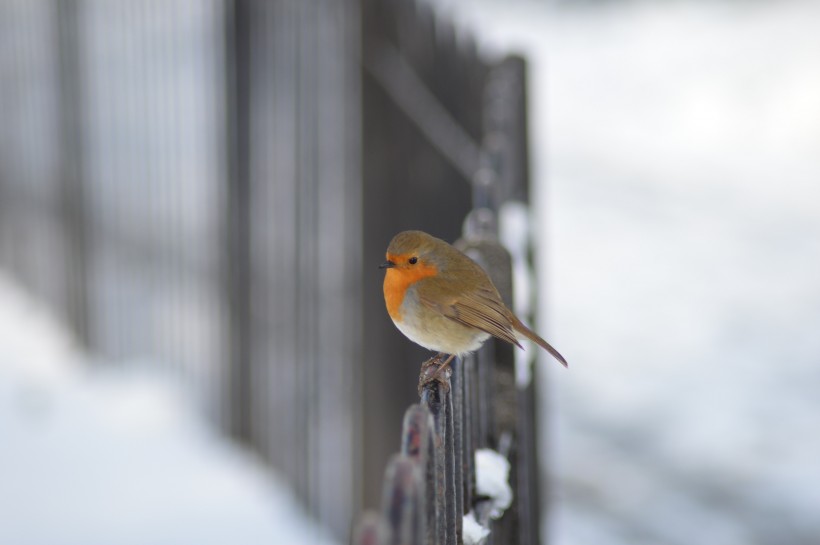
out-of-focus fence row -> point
(181, 181)
(210, 184)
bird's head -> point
(413, 254)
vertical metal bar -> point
(431, 478)
(72, 186)
(416, 436)
(517, 121)
(470, 420)
(500, 397)
(238, 30)
(528, 474)
(400, 500)
(305, 311)
(509, 122)
(482, 394)
(434, 397)
(457, 397)
(338, 241)
(438, 399)
(451, 516)
(528, 477)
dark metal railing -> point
(471, 114)
(430, 485)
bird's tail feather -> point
(533, 336)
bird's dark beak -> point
(387, 265)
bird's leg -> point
(435, 360)
(427, 368)
(427, 375)
(442, 367)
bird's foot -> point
(434, 370)
(434, 361)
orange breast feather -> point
(398, 279)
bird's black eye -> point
(413, 260)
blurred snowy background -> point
(676, 157)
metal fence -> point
(431, 484)
(210, 184)
(446, 139)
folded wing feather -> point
(481, 309)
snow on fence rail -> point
(467, 470)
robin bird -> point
(444, 301)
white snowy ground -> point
(112, 455)
(677, 156)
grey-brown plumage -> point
(443, 300)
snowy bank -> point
(111, 454)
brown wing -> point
(481, 309)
